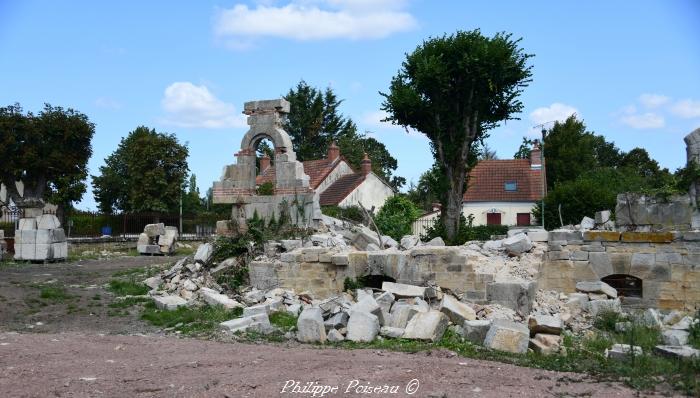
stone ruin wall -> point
(668, 263)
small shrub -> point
(284, 320)
(265, 189)
(352, 284)
(467, 231)
(127, 288)
(54, 293)
(606, 320)
(694, 338)
(189, 321)
(396, 217)
(351, 213)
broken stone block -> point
(294, 309)
(400, 314)
(362, 326)
(402, 290)
(587, 223)
(429, 325)
(388, 331)
(43, 252)
(340, 259)
(337, 321)
(212, 297)
(457, 311)
(291, 244)
(254, 296)
(673, 317)
(148, 249)
(493, 245)
(675, 337)
(389, 242)
(596, 287)
(257, 323)
(435, 242)
(421, 305)
(517, 244)
(223, 266)
(597, 296)
(169, 303)
(144, 240)
(204, 253)
(60, 250)
(47, 221)
(153, 282)
(408, 242)
(26, 224)
(598, 306)
(504, 335)
(623, 352)
(153, 230)
(385, 300)
(256, 309)
(545, 344)
(546, 324)
(680, 352)
(368, 304)
(517, 296)
(334, 336)
(475, 331)
(310, 326)
(538, 235)
(651, 318)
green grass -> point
(129, 302)
(190, 321)
(284, 320)
(144, 272)
(54, 293)
(129, 287)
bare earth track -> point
(85, 352)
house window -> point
(493, 218)
(511, 186)
(523, 219)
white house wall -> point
(373, 192)
(338, 171)
(508, 210)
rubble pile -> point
(157, 239)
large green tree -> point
(454, 89)
(146, 172)
(315, 121)
(48, 152)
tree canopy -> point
(48, 152)
(315, 121)
(454, 89)
(146, 172)
(396, 217)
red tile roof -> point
(317, 170)
(340, 189)
(488, 178)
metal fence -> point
(421, 227)
(81, 224)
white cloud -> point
(557, 112)
(653, 100)
(191, 106)
(314, 20)
(686, 108)
(372, 121)
(647, 120)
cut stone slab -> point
(673, 317)
(508, 336)
(545, 344)
(517, 244)
(153, 230)
(256, 309)
(362, 326)
(258, 323)
(153, 282)
(402, 290)
(587, 223)
(212, 297)
(400, 314)
(27, 224)
(148, 249)
(429, 325)
(385, 300)
(337, 321)
(621, 352)
(47, 221)
(517, 296)
(334, 336)
(169, 303)
(675, 337)
(408, 242)
(369, 305)
(204, 252)
(546, 324)
(475, 331)
(598, 306)
(310, 326)
(388, 331)
(596, 287)
(435, 242)
(223, 266)
(494, 245)
(681, 352)
(683, 324)
(457, 311)
(651, 318)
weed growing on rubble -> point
(284, 320)
(694, 338)
(189, 321)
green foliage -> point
(266, 189)
(606, 320)
(525, 149)
(467, 231)
(54, 293)
(694, 337)
(146, 173)
(352, 213)
(396, 217)
(431, 188)
(8, 228)
(315, 121)
(190, 321)
(350, 284)
(454, 89)
(192, 202)
(130, 287)
(48, 152)
(284, 320)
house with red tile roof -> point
(504, 192)
(335, 182)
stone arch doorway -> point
(626, 285)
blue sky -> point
(631, 70)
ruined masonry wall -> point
(667, 262)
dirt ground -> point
(77, 348)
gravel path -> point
(92, 365)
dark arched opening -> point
(375, 281)
(626, 285)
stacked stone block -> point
(157, 239)
(40, 239)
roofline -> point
(503, 201)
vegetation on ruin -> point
(396, 217)
(467, 231)
(190, 321)
(350, 213)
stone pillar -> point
(692, 143)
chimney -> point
(536, 156)
(333, 151)
(366, 165)
(264, 163)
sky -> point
(630, 70)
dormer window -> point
(510, 186)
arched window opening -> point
(626, 285)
